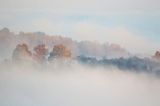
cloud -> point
(44, 25)
(82, 6)
(119, 35)
(77, 85)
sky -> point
(134, 24)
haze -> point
(77, 85)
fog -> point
(76, 85)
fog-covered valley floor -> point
(79, 52)
(77, 85)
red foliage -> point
(40, 53)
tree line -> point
(40, 53)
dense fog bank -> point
(41, 70)
(76, 85)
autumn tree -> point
(157, 55)
(59, 51)
(21, 52)
(40, 53)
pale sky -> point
(134, 24)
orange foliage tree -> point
(21, 52)
(59, 51)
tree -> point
(21, 52)
(40, 53)
(157, 55)
(59, 51)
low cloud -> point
(76, 85)
(119, 35)
(82, 6)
